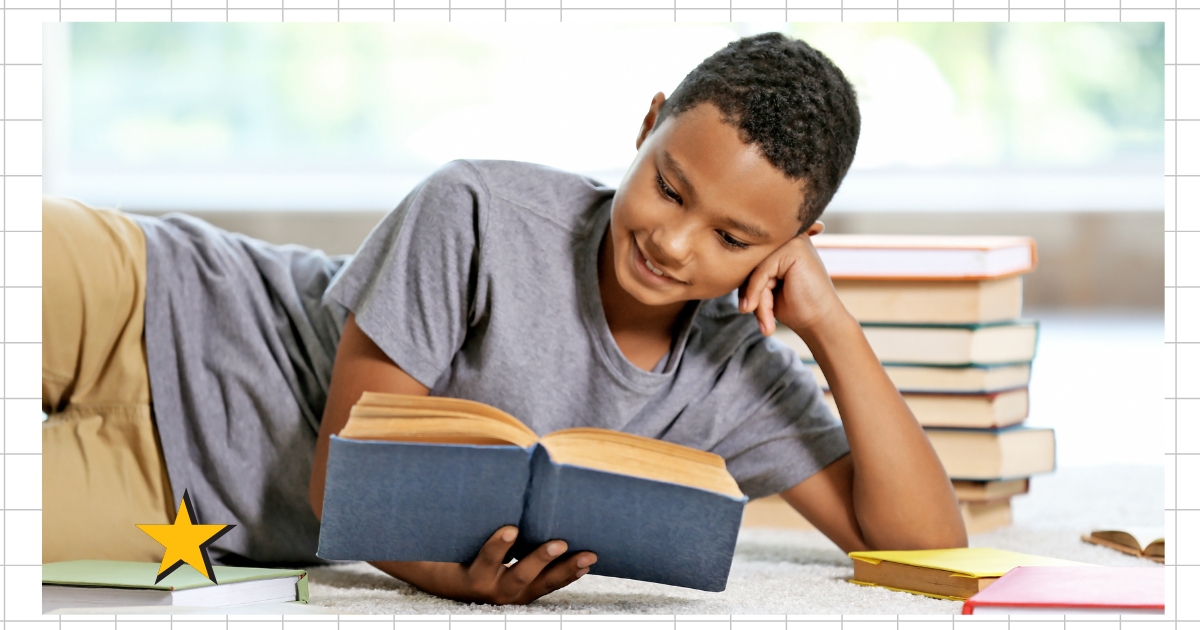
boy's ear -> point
(650, 119)
(815, 229)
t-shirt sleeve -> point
(784, 431)
(412, 284)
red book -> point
(1073, 590)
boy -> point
(553, 298)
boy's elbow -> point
(949, 540)
(950, 535)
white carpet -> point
(778, 571)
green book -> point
(105, 583)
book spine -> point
(302, 589)
(541, 502)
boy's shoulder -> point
(552, 193)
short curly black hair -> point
(786, 98)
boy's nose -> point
(670, 246)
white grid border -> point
(20, 266)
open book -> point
(428, 478)
(1144, 542)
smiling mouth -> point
(647, 268)
(656, 270)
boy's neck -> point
(626, 316)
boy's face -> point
(699, 206)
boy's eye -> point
(666, 190)
(732, 242)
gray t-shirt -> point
(240, 353)
(481, 284)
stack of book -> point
(943, 315)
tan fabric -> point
(102, 464)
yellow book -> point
(942, 573)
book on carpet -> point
(428, 478)
(941, 344)
(993, 454)
(1048, 590)
(984, 516)
(936, 379)
(967, 490)
(1144, 542)
(112, 583)
(942, 573)
(932, 301)
(910, 257)
(977, 411)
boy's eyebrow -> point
(752, 230)
(678, 173)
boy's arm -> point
(361, 366)
(891, 491)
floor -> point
(1098, 380)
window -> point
(350, 116)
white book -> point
(113, 583)
(945, 345)
(870, 256)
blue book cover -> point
(406, 502)
(440, 502)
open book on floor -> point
(426, 478)
(114, 583)
(1144, 542)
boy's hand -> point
(488, 581)
(791, 285)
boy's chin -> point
(648, 296)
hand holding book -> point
(414, 482)
(489, 580)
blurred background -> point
(309, 133)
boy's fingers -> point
(527, 569)
(561, 574)
(766, 312)
(759, 278)
(490, 559)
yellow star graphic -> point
(185, 541)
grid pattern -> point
(20, 268)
